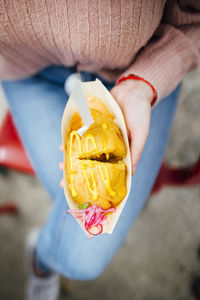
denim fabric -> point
(37, 105)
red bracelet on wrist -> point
(135, 77)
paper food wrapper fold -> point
(97, 89)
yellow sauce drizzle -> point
(91, 138)
(107, 154)
(93, 190)
(72, 135)
(72, 188)
(105, 178)
(104, 125)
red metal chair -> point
(13, 155)
(170, 176)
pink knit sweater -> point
(156, 39)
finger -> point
(61, 165)
(138, 140)
(61, 147)
(62, 183)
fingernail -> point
(61, 147)
(61, 165)
(62, 183)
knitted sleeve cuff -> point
(165, 60)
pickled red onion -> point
(93, 216)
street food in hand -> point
(95, 172)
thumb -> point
(138, 140)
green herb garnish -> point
(83, 206)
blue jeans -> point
(37, 105)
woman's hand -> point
(134, 97)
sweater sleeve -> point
(174, 49)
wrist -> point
(141, 87)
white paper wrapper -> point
(97, 89)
